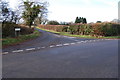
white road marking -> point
(66, 44)
(98, 40)
(94, 40)
(38, 48)
(72, 43)
(108, 39)
(59, 45)
(82, 41)
(90, 40)
(64, 36)
(71, 37)
(52, 46)
(56, 45)
(43, 47)
(30, 49)
(17, 51)
(86, 40)
(76, 40)
(5, 53)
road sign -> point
(17, 29)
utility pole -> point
(118, 11)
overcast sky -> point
(92, 10)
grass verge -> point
(21, 38)
(80, 36)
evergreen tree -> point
(80, 20)
(76, 21)
(84, 20)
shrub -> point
(110, 29)
(8, 29)
(88, 30)
(65, 29)
(97, 29)
(73, 29)
(53, 23)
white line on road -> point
(59, 45)
(90, 40)
(76, 40)
(94, 40)
(17, 51)
(71, 37)
(66, 44)
(82, 41)
(72, 43)
(98, 40)
(30, 49)
(43, 47)
(52, 46)
(5, 53)
(108, 39)
(38, 47)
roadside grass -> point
(21, 38)
(80, 36)
(48, 30)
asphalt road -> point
(55, 56)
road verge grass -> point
(21, 38)
(80, 36)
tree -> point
(84, 21)
(76, 20)
(32, 11)
(99, 22)
(5, 11)
(80, 20)
(53, 23)
(42, 17)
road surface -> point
(56, 56)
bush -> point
(8, 29)
(97, 29)
(53, 23)
(110, 29)
(73, 29)
(88, 30)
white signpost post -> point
(17, 31)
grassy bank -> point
(80, 36)
(21, 38)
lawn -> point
(21, 38)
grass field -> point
(21, 38)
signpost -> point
(17, 31)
